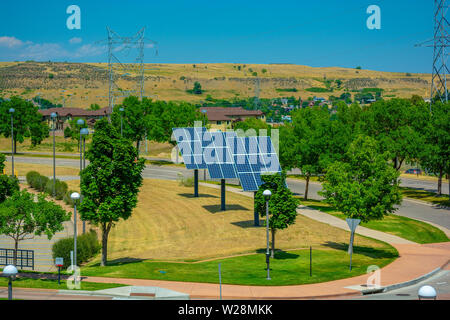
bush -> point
(41, 182)
(67, 199)
(60, 188)
(87, 247)
(186, 182)
(32, 178)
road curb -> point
(416, 280)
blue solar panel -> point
(218, 157)
(253, 156)
(189, 141)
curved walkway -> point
(415, 260)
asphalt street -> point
(439, 281)
(409, 208)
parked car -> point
(414, 171)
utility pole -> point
(439, 43)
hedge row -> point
(44, 184)
(87, 247)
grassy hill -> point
(86, 83)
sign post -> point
(352, 224)
(59, 262)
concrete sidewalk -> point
(415, 260)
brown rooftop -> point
(74, 112)
(230, 113)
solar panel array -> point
(227, 156)
(190, 143)
(253, 156)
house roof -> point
(230, 113)
(74, 112)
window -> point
(219, 122)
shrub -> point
(186, 182)
(67, 199)
(32, 178)
(87, 247)
(60, 188)
(41, 183)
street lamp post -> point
(11, 111)
(267, 194)
(75, 197)
(53, 116)
(84, 132)
(11, 272)
(121, 123)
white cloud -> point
(75, 40)
(15, 48)
(10, 42)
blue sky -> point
(319, 33)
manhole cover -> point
(403, 294)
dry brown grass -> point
(168, 224)
(163, 81)
(47, 170)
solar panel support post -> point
(222, 193)
(196, 183)
(255, 212)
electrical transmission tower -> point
(126, 61)
(439, 43)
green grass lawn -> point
(403, 227)
(288, 268)
(23, 282)
(426, 196)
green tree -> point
(27, 122)
(110, 183)
(252, 126)
(397, 125)
(8, 185)
(282, 204)
(73, 130)
(21, 218)
(94, 106)
(362, 186)
(436, 152)
(197, 88)
(311, 142)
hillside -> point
(86, 83)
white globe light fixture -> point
(10, 271)
(267, 194)
(427, 292)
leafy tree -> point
(21, 218)
(362, 186)
(282, 204)
(197, 88)
(94, 106)
(251, 125)
(138, 121)
(397, 125)
(73, 130)
(436, 152)
(111, 182)
(309, 142)
(8, 185)
(27, 122)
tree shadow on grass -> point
(247, 224)
(280, 254)
(200, 195)
(229, 207)
(376, 253)
(118, 262)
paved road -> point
(424, 185)
(439, 281)
(409, 208)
